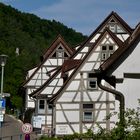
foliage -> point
(32, 36)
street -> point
(12, 129)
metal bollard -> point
(27, 137)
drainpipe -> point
(118, 96)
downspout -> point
(52, 123)
(118, 96)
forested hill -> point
(32, 36)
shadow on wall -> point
(28, 115)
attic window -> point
(104, 48)
(112, 27)
(59, 54)
(106, 51)
(110, 47)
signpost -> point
(2, 110)
(2, 103)
(27, 129)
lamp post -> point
(2, 63)
(3, 59)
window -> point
(88, 112)
(92, 84)
(59, 54)
(112, 27)
(104, 56)
(49, 109)
(111, 48)
(87, 106)
(92, 81)
(88, 116)
(106, 51)
(104, 48)
(41, 104)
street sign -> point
(27, 128)
(6, 94)
(1, 117)
(2, 103)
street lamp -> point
(2, 63)
(3, 59)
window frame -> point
(41, 104)
(49, 110)
(105, 54)
(87, 118)
(91, 79)
(88, 112)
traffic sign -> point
(6, 95)
(2, 103)
(27, 128)
(1, 117)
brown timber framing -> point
(82, 53)
(52, 100)
(118, 41)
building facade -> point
(73, 100)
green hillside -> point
(32, 36)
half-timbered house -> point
(78, 103)
(52, 59)
(124, 65)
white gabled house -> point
(52, 59)
(124, 64)
(115, 23)
(73, 100)
(80, 104)
(47, 90)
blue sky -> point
(82, 15)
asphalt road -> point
(12, 129)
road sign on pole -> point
(2, 103)
(27, 128)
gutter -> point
(118, 96)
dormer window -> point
(106, 51)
